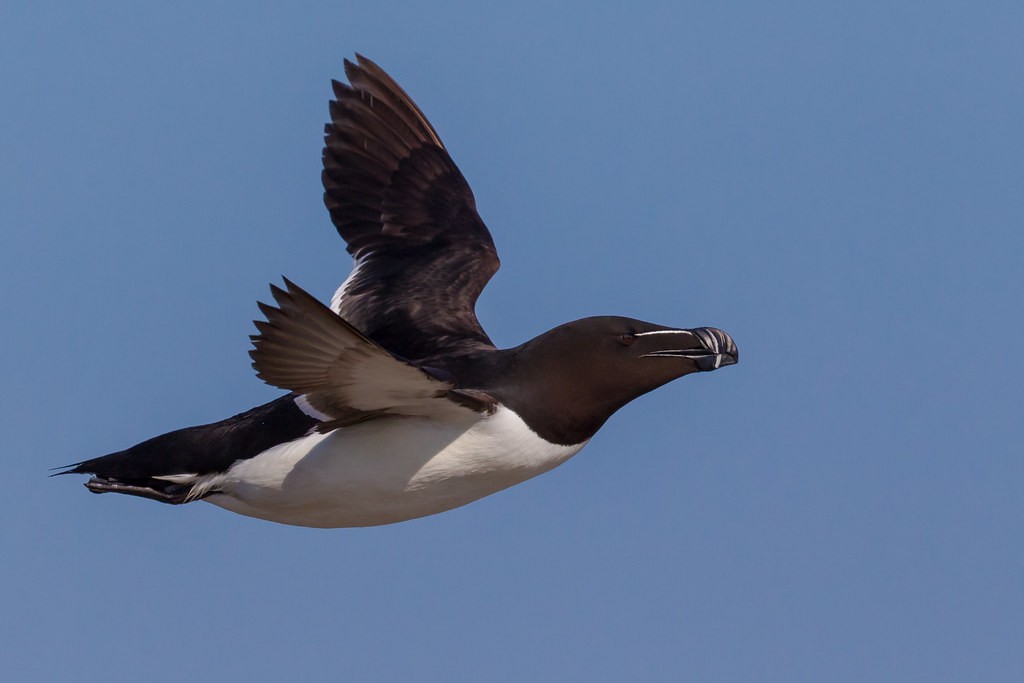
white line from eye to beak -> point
(674, 353)
(644, 334)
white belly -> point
(386, 471)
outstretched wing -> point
(422, 253)
(341, 374)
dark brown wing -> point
(423, 255)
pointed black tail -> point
(162, 468)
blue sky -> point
(837, 185)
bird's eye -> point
(627, 339)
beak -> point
(717, 349)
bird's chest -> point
(391, 470)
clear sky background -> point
(838, 185)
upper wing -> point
(342, 375)
(423, 255)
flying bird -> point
(399, 405)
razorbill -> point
(399, 405)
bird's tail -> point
(115, 473)
(177, 467)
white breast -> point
(386, 470)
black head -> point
(581, 372)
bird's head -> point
(590, 368)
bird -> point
(398, 403)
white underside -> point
(385, 471)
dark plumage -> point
(409, 219)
